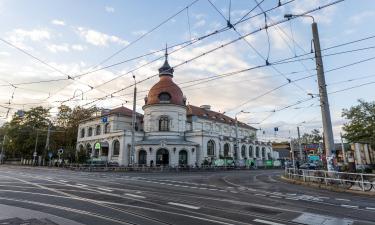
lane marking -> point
(370, 208)
(267, 222)
(274, 196)
(260, 195)
(350, 206)
(184, 205)
(64, 181)
(105, 189)
(342, 199)
(135, 196)
(82, 185)
(291, 198)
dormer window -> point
(164, 97)
(164, 123)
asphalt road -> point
(58, 196)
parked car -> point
(308, 166)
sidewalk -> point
(16, 216)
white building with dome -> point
(170, 132)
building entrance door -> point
(162, 157)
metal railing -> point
(342, 180)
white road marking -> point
(342, 199)
(267, 222)
(370, 208)
(184, 205)
(82, 185)
(135, 196)
(234, 192)
(203, 188)
(274, 196)
(350, 206)
(105, 189)
(291, 198)
(324, 197)
(64, 181)
(260, 195)
(291, 194)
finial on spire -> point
(166, 51)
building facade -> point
(170, 132)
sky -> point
(101, 45)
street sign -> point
(104, 119)
(97, 146)
(50, 154)
(35, 154)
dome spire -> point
(166, 69)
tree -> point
(361, 122)
(22, 132)
(311, 138)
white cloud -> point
(58, 22)
(361, 17)
(4, 53)
(139, 32)
(98, 38)
(58, 48)
(18, 37)
(322, 16)
(109, 9)
(78, 47)
(200, 23)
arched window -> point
(263, 152)
(182, 157)
(257, 152)
(98, 130)
(251, 153)
(89, 150)
(226, 150)
(90, 132)
(164, 123)
(243, 151)
(210, 148)
(82, 132)
(116, 148)
(164, 97)
(107, 128)
(142, 157)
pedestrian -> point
(297, 165)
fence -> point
(341, 180)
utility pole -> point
(343, 150)
(36, 144)
(46, 148)
(292, 150)
(299, 145)
(326, 115)
(2, 150)
(324, 104)
(237, 142)
(132, 157)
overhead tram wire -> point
(282, 85)
(215, 77)
(252, 47)
(212, 50)
(226, 28)
(147, 33)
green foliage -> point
(361, 125)
(311, 138)
(21, 132)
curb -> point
(330, 188)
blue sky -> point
(75, 35)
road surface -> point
(58, 196)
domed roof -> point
(165, 91)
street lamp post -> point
(132, 156)
(237, 141)
(2, 150)
(36, 144)
(326, 115)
